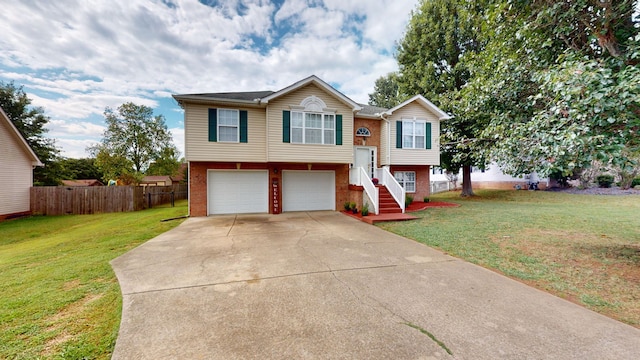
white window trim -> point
(414, 122)
(403, 182)
(304, 127)
(237, 126)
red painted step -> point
(387, 203)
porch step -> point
(387, 203)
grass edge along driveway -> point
(60, 297)
(584, 248)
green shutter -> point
(213, 125)
(338, 129)
(243, 126)
(286, 126)
(427, 139)
(398, 134)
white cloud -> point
(178, 139)
(75, 148)
(82, 56)
(62, 128)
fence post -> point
(148, 200)
(172, 199)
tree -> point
(386, 92)
(31, 122)
(166, 163)
(440, 38)
(134, 139)
(559, 84)
(74, 169)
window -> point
(413, 136)
(228, 125)
(313, 128)
(363, 131)
(407, 179)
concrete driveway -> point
(321, 285)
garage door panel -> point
(234, 192)
(308, 190)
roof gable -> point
(441, 115)
(22, 143)
(318, 82)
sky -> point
(77, 57)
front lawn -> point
(584, 248)
(60, 297)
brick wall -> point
(374, 127)
(198, 181)
(423, 185)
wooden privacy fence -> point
(156, 195)
(63, 200)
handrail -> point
(396, 190)
(369, 189)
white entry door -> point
(365, 157)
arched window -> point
(363, 131)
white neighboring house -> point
(17, 161)
(493, 178)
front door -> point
(365, 157)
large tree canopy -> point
(386, 92)
(31, 121)
(433, 58)
(559, 83)
(133, 141)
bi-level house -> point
(305, 147)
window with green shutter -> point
(413, 134)
(303, 127)
(228, 125)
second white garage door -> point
(308, 190)
(235, 192)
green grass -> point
(60, 298)
(585, 248)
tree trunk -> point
(467, 190)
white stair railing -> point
(396, 190)
(370, 190)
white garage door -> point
(308, 190)
(235, 192)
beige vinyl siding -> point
(384, 144)
(199, 148)
(279, 151)
(16, 176)
(415, 156)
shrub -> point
(408, 200)
(365, 209)
(352, 206)
(426, 199)
(605, 180)
(635, 182)
(347, 206)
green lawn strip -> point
(60, 297)
(585, 248)
(431, 336)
